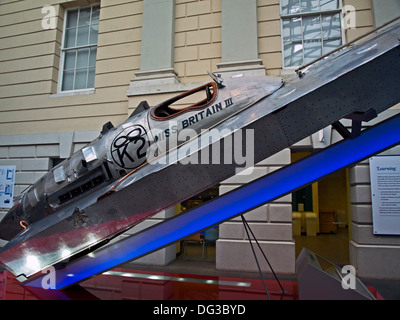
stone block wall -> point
(271, 224)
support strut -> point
(247, 229)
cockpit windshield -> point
(197, 98)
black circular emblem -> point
(129, 147)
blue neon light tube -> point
(245, 198)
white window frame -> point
(307, 14)
(63, 50)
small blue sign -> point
(7, 180)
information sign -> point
(385, 193)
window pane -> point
(80, 79)
(293, 54)
(291, 29)
(69, 62)
(290, 6)
(311, 31)
(82, 27)
(311, 27)
(70, 37)
(330, 45)
(83, 58)
(92, 59)
(84, 17)
(331, 26)
(330, 4)
(68, 80)
(72, 19)
(95, 14)
(309, 5)
(94, 30)
(90, 83)
(82, 36)
(284, 6)
(312, 50)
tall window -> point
(79, 48)
(310, 28)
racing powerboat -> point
(95, 170)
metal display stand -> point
(265, 189)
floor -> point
(193, 278)
(331, 246)
(181, 280)
(140, 284)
